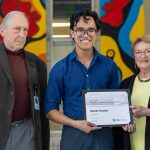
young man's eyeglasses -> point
(81, 32)
(138, 53)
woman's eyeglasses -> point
(138, 53)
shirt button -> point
(12, 93)
(87, 75)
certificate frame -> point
(102, 107)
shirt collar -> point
(73, 55)
(96, 54)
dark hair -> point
(84, 13)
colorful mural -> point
(36, 13)
(122, 23)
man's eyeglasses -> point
(81, 32)
(146, 52)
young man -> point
(84, 68)
(23, 125)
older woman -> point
(139, 84)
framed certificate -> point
(107, 107)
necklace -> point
(141, 80)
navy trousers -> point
(74, 139)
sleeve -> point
(55, 89)
(114, 77)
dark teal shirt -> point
(69, 77)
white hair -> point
(5, 22)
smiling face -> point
(15, 33)
(84, 42)
(142, 55)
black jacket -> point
(37, 74)
(122, 138)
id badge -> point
(36, 103)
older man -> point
(23, 78)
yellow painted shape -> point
(108, 43)
(37, 47)
(138, 28)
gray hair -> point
(5, 22)
(145, 38)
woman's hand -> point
(140, 111)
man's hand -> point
(86, 126)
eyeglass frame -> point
(85, 31)
(140, 52)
